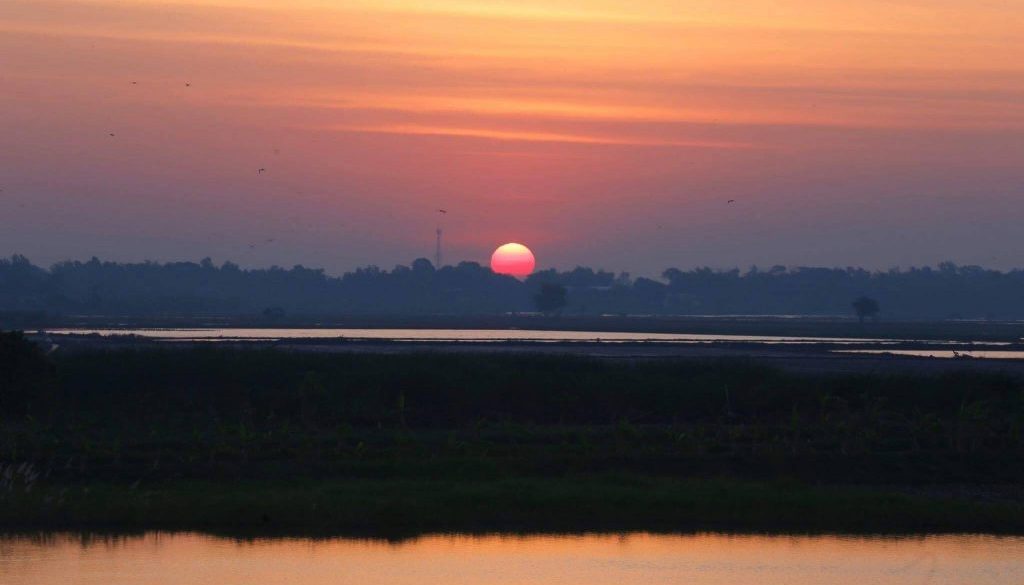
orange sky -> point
(601, 132)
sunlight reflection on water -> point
(463, 335)
(702, 559)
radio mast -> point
(437, 250)
(437, 247)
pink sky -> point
(605, 133)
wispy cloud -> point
(529, 136)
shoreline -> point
(402, 509)
(796, 326)
(802, 358)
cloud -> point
(528, 136)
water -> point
(463, 335)
(706, 559)
(942, 353)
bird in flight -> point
(111, 133)
(261, 171)
(135, 83)
(266, 241)
(444, 211)
(188, 84)
(731, 201)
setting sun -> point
(513, 259)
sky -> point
(606, 133)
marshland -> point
(266, 441)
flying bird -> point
(135, 83)
(111, 133)
(444, 211)
(261, 171)
(187, 84)
(266, 241)
(731, 201)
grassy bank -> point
(398, 508)
(395, 443)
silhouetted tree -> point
(866, 307)
(550, 299)
(422, 265)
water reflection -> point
(467, 335)
(593, 560)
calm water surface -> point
(943, 353)
(181, 559)
(477, 335)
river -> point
(700, 559)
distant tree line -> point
(204, 288)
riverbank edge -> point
(411, 507)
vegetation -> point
(205, 289)
(866, 308)
(550, 299)
(398, 508)
(196, 438)
(24, 372)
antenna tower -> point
(437, 250)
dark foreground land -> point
(271, 441)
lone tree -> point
(550, 299)
(866, 308)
